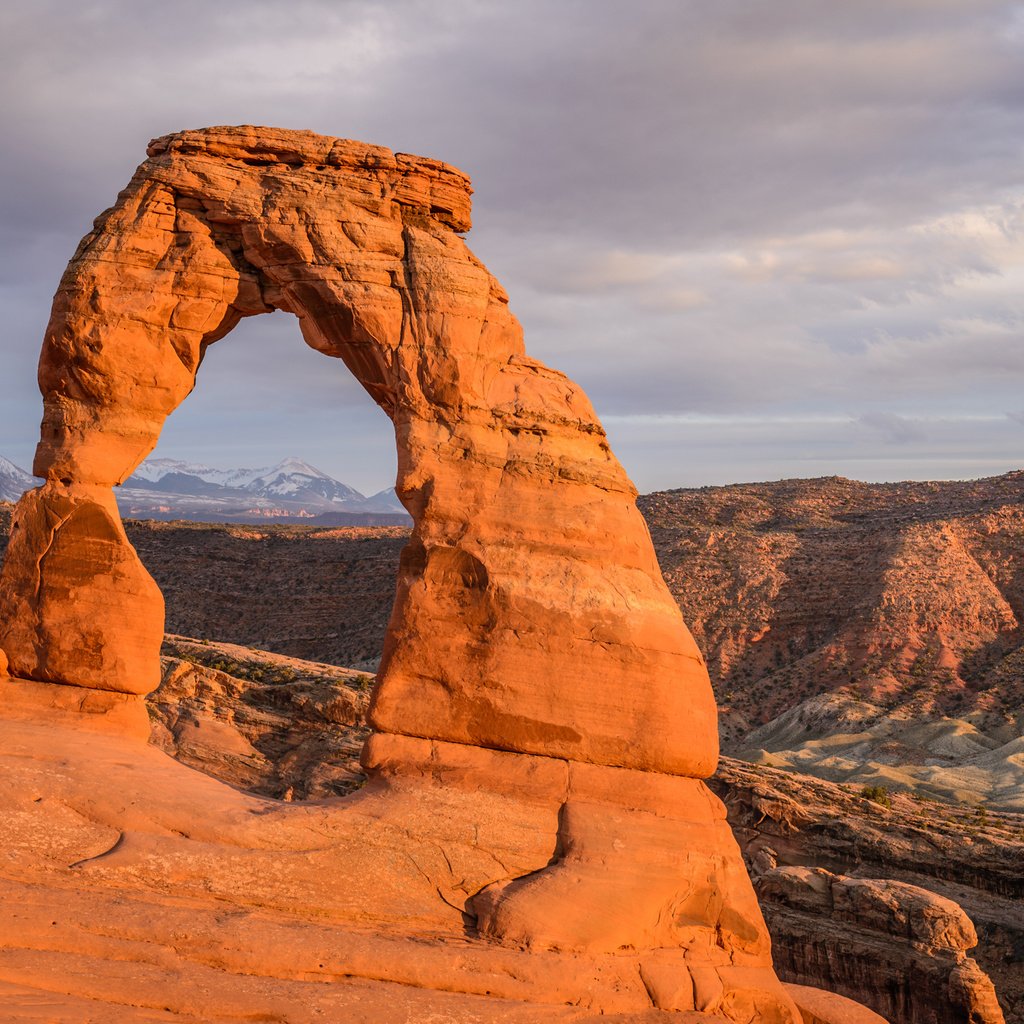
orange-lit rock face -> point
(542, 716)
(531, 615)
(78, 605)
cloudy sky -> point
(770, 238)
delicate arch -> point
(531, 615)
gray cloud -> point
(891, 428)
(727, 208)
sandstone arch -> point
(534, 654)
(531, 615)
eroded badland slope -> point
(866, 633)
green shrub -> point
(878, 795)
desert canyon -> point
(534, 839)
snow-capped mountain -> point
(14, 481)
(293, 489)
(156, 470)
(298, 480)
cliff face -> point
(268, 724)
(915, 905)
(901, 947)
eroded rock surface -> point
(898, 946)
(70, 575)
(268, 724)
(913, 908)
(544, 720)
(364, 247)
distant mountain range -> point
(291, 491)
(13, 481)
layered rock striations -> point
(543, 719)
(909, 905)
(900, 947)
(903, 594)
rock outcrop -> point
(866, 633)
(267, 724)
(544, 720)
(364, 248)
(899, 946)
(912, 907)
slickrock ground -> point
(135, 889)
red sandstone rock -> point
(898, 945)
(901, 942)
(818, 1007)
(505, 633)
(142, 861)
(543, 715)
(70, 578)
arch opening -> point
(289, 562)
(263, 397)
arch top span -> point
(363, 245)
(530, 614)
(419, 183)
